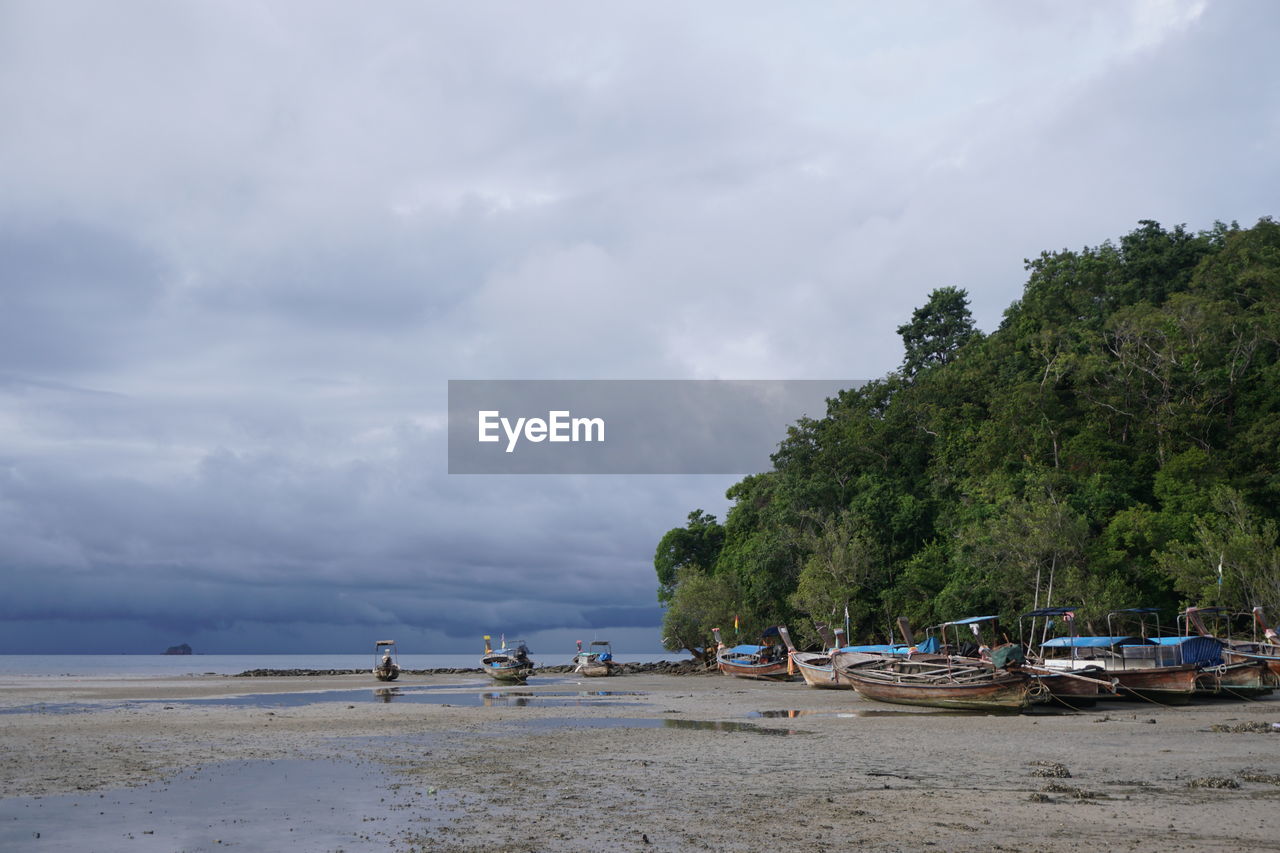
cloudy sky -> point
(243, 248)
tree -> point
(1072, 455)
(937, 330)
(699, 603)
(836, 577)
(696, 545)
(1234, 560)
(1027, 545)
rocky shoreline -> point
(686, 667)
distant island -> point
(183, 649)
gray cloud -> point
(242, 249)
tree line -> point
(1114, 443)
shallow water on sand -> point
(653, 723)
(256, 805)
(427, 695)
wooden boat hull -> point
(939, 682)
(817, 671)
(1236, 679)
(508, 668)
(772, 671)
(383, 673)
(1011, 693)
(1268, 655)
(509, 674)
(1075, 688)
(1167, 684)
(594, 669)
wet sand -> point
(693, 763)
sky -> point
(244, 247)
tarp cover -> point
(929, 646)
(1205, 651)
(1002, 656)
(1092, 642)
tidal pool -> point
(293, 804)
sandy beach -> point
(631, 763)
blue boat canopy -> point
(1093, 642)
(744, 650)
(897, 649)
(1205, 651)
(971, 620)
(1049, 611)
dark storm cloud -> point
(242, 250)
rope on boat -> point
(1218, 672)
(1223, 688)
(1148, 698)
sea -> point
(160, 666)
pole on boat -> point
(1112, 683)
(904, 627)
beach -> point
(631, 763)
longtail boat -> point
(1165, 670)
(768, 660)
(1264, 650)
(1243, 669)
(953, 682)
(508, 663)
(597, 661)
(386, 667)
(816, 668)
(1135, 665)
(1075, 686)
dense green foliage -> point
(1110, 445)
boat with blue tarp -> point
(962, 673)
(816, 668)
(1141, 667)
(508, 663)
(1236, 672)
(1078, 687)
(596, 661)
(767, 660)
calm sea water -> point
(115, 666)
